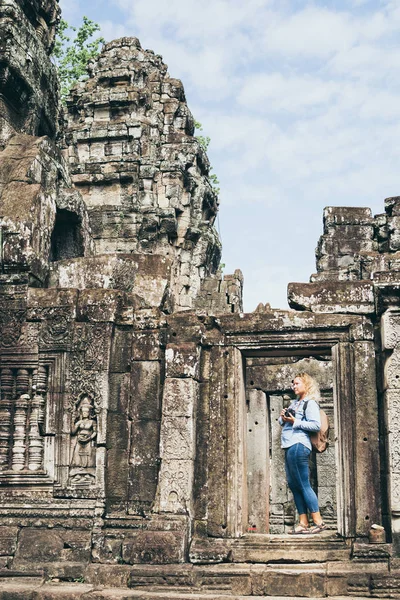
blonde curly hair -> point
(311, 385)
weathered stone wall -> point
(29, 85)
(32, 175)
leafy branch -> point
(73, 55)
(204, 142)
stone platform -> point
(27, 590)
(216, 582)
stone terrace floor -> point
(30, 590)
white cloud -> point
(276, 92)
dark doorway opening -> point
(66, 239)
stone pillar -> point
(227, 511)
(258, 479)
(390, 332)
(278, 486)
(6, 382)
(178, 435)
(19, 447)
(36, 420)
(366, 438)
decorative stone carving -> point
(390, 330)
(22, 419)
(177, 478)
(11, 325)
(56, 327)
(83, 448)
(177, 439)
(97, 337)
(6, 383)
(19, 447)
(82, 382)
(392, 370)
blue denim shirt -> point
(301, 428)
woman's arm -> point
(312, 420)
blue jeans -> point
(298, 478)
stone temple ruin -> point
(139, 444)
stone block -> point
(180, 397)
(340, 245)
(39, 545)
(392, 206)
(347, 215)
(177, 438)
(117, 431)
(355, 297)
(142, 483)
(390, 329)
(117, 473)
(294, 582)
(146, 345)
(145, 442)
(99, 305)
(119, 392)
(154, 547)
(8, 540)
(145, 390)
(391, 373)
(182, 360)
(108, 576)
(175, 488)
(120, 361)
(77, 546)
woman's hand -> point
(286, 419)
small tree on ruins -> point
(72, 55)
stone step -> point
(12, 590)
(208, 582)
(261, 548)
(306, 580)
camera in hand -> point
(290, 412)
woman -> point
(297, 427)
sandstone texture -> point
(139, 444)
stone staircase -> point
(259, 567)
(332, 580)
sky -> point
(301, 101)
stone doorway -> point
(271, 508)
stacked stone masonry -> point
(139, 441)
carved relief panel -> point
(82, 472)
(23, 400)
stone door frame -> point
(349, 340)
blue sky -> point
(302, 104)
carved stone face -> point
(85, 411)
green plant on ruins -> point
(204, 142)
(71, 56)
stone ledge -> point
(354, 297)
(76, 591)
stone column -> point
(19, 447)
(278, 486)
(178, 436)
(6, 382)
(258, 480)
(20, 420)
(366, 439)
(36, 421)
(390, 331)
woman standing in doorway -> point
(296, 429)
